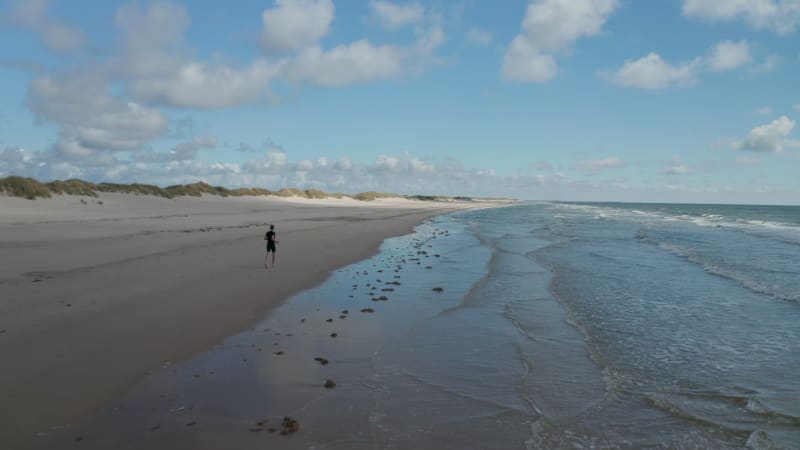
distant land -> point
(31, 189)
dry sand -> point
(95, 292)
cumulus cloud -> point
(780, 16)
(362, 61)
(728, 55)
(550, 27)
(525, 62)
(156, 62)
(676, 167)
(57, 36)
(295, 24)
(152, 39)
(204, 86)
(393, 16)
(764, 111)
(652, 72)
(92, 118)
(403, 173)
(771, 137)
(594, 165)
(108, 106)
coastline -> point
(99, 292)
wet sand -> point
(97, 293)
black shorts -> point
(271, 246)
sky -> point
(594, 100)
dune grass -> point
(371, 195)
(72, 187)
(23, 187)
(30, 188)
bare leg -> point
(273, 259)
(265, 261)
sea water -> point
(689, 314)
(557, 325)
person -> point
(271, 241)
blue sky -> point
(675, 100)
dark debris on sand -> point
(289, 426)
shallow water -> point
(559, 326)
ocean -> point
(538, 325)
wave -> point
(720, 270)
(781, 230)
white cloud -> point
(764, 111)
(550, 27)
(393, 16)
(158, 65)
(771, 137)
(152, 39)
(104, 108)
(200, 85)
(362, 61)
(295, 24)
(479, 36)
(679, 169)
(652, 72)
(58, 37)
(611, 162)
(90, 116)
(728, 55)
(525, 62)
(781, 16)
(676, 167)
(796, 107)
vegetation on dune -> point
(73, 187)
(23, 187)
(134, 188)
(315, 193)
(29, 188)
(240, 192)
(290, 192)
(196, 190)
(371, 195)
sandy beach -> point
(97, 292)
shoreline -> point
(98, 300)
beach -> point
(537, 325)
(98, 292)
